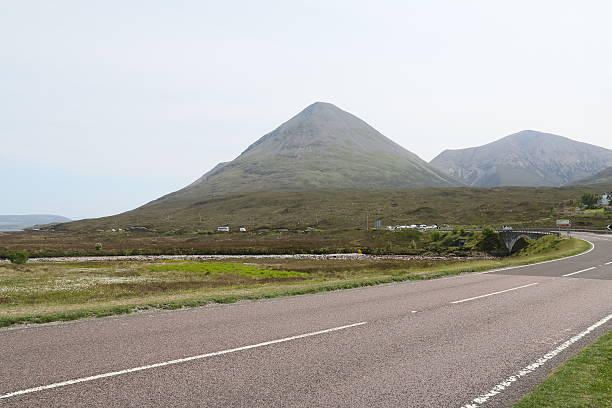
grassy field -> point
(44, 292)
(584, 381)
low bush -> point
(18, 257)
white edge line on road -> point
(480, 400)
(493, 293)
(534, 264)
(584, 270)
(171, 362)
(608, 263)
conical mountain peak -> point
(320, 128)
(322, 147)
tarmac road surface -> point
(477, 340)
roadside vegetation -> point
(584, 381)
(44, 292)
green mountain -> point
(323, 147)
(527, 158)
(603, 177)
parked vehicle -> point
(223, 229)
(507, 228)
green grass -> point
(239, 269)
(35, 293)
(584, 381)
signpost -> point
(564, 224)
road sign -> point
(564, 223)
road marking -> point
(529, 265)
(608, 263)
(480, 400)
(584, 270)
(494, 293)
(171, 362)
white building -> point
(605, 199)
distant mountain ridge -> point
(603, 177)
(17, 222)
(527, 158)
(322, 147)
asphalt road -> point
(469, 341)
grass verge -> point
(127, 288)
(584, 381)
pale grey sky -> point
(105, 105)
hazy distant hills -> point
(323, 147)
(17, 222)
(603, 177)
(527, 158)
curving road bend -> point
(477, 340)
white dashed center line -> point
(171, 362)
(584, 270)
(494, 293)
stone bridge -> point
(517, 240)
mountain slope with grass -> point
(351, 209)
(527, 158)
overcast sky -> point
(106, 105)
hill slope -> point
(323, 147)
(527, 158)
(333, 210)
(603, 177)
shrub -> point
(449, 240)
(490, 240)
(589, 200)
(18, 257)
(435, 236)
(98, 246)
